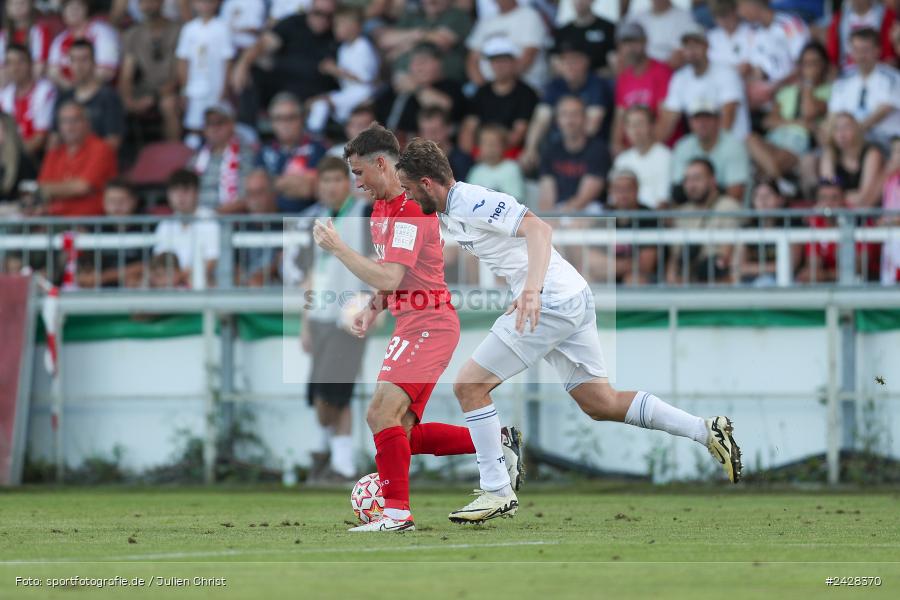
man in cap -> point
(699, 78)
(710, 141)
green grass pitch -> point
(588, 541)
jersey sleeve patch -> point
(404, 236)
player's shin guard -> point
(440, 439)
(650, 412)
(392, 459)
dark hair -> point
(353, 12)
(427, 48)
(433, 112)
(164, 260)
(373, 140)
(424, 158)
(333, 163)
(120, 183)
(21, 49)
(85, 44)
(640, 108)
(571, 97)
(699, 160)
(866, 33)
(183, 178)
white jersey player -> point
(552, 317)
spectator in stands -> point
(576, 79)
(890, 251)
(438, 22)
(21, 26)
(852, 161)
(204, 54)
(701, 80)
(650, 160)
(797, 114)
(292, 157)
(778, 40)
(587, 29)
(492, 170)
(79, 26)
(435, 125)
(297, 46)
(148, 83)
(631, 268)
(731, 40)
(246, 20)
(665, 25)
(641, 80)
(871, 91)
(260, 266)
(851, 15)
(15, 165)
(165, 272)
(756, 263)
(506, 100)
(124, 12)
(100, 100)
(116, 267)
(423, 86)
(361, 117)
(223, 162)
(524, 27)
(336, 355)
(183, 233)
(574, 166)
(821, 264)
(709, 141)
(709, 262)
(74, 173)
(356, 69)
(27, 99)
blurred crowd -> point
(198, 107)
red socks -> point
(440, 439)
(392, 459)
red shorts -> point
(418, 353)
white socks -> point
(484, 426)
(341, 447)
(650, 412)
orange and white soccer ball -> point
(366, 499)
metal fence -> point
(639, 248)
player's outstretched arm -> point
(537, 234)
(383, 277)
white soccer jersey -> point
(730, 49)
(776, 49)
(485, 223)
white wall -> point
(137, 394)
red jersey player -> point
(409, 275)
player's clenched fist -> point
(326, 236)
(528, 305)
(362, 321)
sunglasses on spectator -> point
(216, 122)
(321, 14)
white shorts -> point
(566, 336)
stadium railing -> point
(607, 249)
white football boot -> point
(386, 524)
(513, 451)
(484, 507)
(723, 448)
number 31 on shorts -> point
(396, 341)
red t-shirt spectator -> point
(94, 162)
(648, 88)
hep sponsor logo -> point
(497, 212)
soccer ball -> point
(366, 499)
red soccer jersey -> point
(403, 234)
